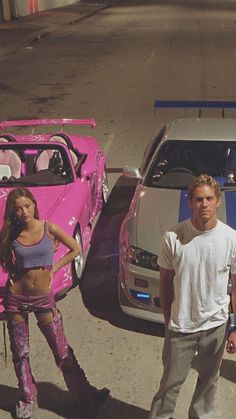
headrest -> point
(64, 139)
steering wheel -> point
(181, 170)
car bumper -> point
(137, 301)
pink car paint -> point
(75, 203)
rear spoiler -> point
(43, 122)
(195, 104)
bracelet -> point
(232, 319)
(231, 329)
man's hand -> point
(231, 342)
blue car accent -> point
(230, 206)
(141, 296)
(184, 210)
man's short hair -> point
(204, 180)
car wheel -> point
(79, 260)
(105, 189)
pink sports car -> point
(67, 175)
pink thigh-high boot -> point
(89, 398)
(19, 342)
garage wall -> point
(27, 7)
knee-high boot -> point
(87, 396)
(19, 343)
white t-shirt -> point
(202, 261)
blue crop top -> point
(35, 255)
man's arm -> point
(166, 292)
(231, 341)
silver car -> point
(181, 150)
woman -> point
(27, 247)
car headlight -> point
(140, 257)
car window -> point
(150, 150)
(177, 161)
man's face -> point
(204, 204)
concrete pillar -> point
(6, 12)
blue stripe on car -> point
(230, 206)
(184, 210)
(220, 180)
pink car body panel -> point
(73, 205)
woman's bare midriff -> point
(34, 282)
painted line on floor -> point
(151, 56)
(108, 144)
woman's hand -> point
(62, 237)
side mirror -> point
(132, 172)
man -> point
(195, 261)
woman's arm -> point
(69, 242)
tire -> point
(105, 189)
(78, 264)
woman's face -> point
(24, 209)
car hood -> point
(158, 209)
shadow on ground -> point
(53, 399)
(228, 369)
(99, 284)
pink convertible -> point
(67, 175)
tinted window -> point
(218, 159)
(150, 150)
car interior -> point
(20, 163)
(177, 162)
(10, 162)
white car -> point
(180, 151)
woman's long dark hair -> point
(11, 228)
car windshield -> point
(34, 164)
(177, 162)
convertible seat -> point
(9, 160)
(49, 159)
(12, 160)
(4, 171)
(44, 158)
(64, 139)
